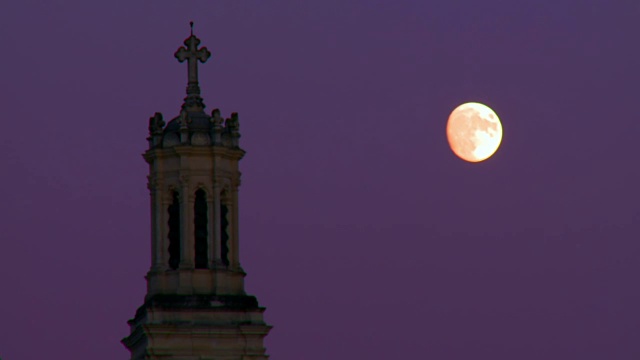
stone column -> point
(217, 235)
(212, 229)
(159, 231)
(155, 203)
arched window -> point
(174, 232)
(224, 232)
(200, 229)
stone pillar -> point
(159, 231)
(211, 226)
(217, 235)
(154, 203)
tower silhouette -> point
(196, 306)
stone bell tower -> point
(196, 306)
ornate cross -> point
(192, 54)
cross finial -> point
(192, 54)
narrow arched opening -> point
(224, 230)
(174, 231)
(200, 230)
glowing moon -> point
(474, 132)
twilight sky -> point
(361, 232)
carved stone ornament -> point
(216, 119)
(200, 139)
(156, 124)
(233, 125)
(235, 181)
(236, 120)
(184, 181)
(225, 194)
(184, 120)
(225, 185)
(151, 182)
(170, 139)
(232, 128)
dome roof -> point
(196, 128)
(198, 121)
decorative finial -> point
(191, 53)
(156, 124)
(232, 126)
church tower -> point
(196, 307)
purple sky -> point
(361, 232)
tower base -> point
(198, 327)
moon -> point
(474, 132)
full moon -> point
(474, 131)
